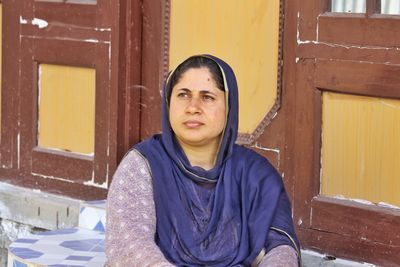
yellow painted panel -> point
(243, 33)
(361, 148)
(66, 108)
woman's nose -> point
(194, 105)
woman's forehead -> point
(196, 78)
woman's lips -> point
(193, 124)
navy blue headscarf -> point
(227, 223)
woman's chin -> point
(196, 141)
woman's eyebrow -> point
(184, 89)
(203, 92)
(207, 92)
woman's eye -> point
(183, 95)
(208, 98)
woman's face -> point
(197, 110)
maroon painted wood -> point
(345, 53)
(95, 36)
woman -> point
(191, 196)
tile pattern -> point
(93, 215)
(70, 247)
(18, 264)
(73, 247)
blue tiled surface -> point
(59, 232)
(19, 264)
(70, 247)
(26, 240)
(26, 253)
(77, 247)
(84, 245)
(65, 265)
(93, 215)
(100, 227)
(79, 258)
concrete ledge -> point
(314, 259)
(38, 209)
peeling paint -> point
(40, 23)
(274, 150)
(354, 46)
(367, 47)
(91, 40)
(22, 20)
(309, 42)
(108, 173)
(53, 177)
(36, 22)
(298, 27)
(66, 39)
(102, 29)
(258, 146)
(92, 183)
(18, 150)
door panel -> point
(75, 36)
(353, 54)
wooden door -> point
(69, 108)
(348, 61)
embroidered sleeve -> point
(131, 218)
(283, 255)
